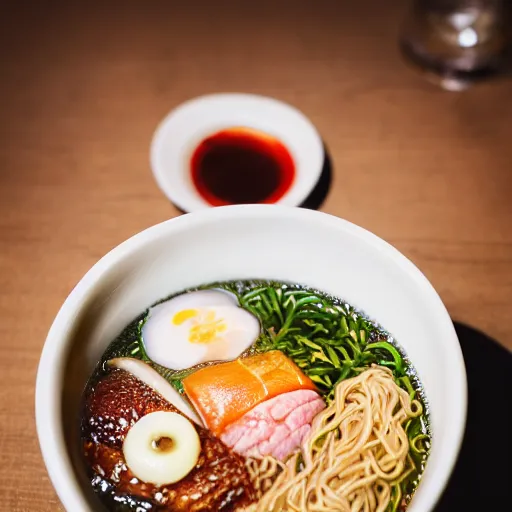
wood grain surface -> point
(83, 85)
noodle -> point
(263, 473)
(356, 451)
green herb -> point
(329, 341)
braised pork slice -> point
(218, 482)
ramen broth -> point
(186, 382)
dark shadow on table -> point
(317, 196)
(482, 477)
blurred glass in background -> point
(457, 42)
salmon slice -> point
(278, 373)
(223, 393)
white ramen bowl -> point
(242, 242)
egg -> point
(197, 327)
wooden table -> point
(82, 89)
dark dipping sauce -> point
(242, 166)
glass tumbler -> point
(457, 42)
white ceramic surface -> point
(248, 242)
(185, 127)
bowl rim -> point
(55, 349)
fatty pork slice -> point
(275, 427)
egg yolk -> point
(205, 329)
(183, 316)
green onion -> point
(253, 293)
(275, 304)
(333, 356)
(305, 341)
(344, 324)
(392, 350)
